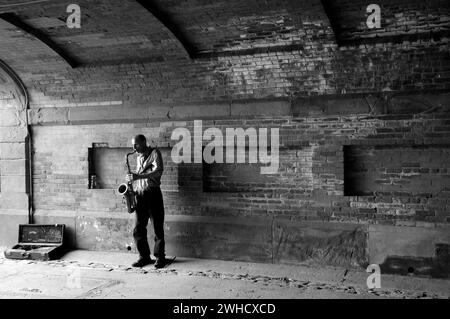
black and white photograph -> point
(231, 157)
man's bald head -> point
(140, 138)
(139, 143)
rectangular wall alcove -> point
(400, 170)
(108, 165)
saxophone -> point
(126, 189)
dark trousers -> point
(149, 205)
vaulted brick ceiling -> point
(114, 31)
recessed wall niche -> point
(108, 167)
(237, 177)
(396, 170)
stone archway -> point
(14, 172)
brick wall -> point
(321, 70)
(365, 99)
(400, 169)
(309, 184)
(302, 212)
(308, 61)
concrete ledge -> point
(199, 111)
(275, 108)
(138, 114)
(106, 114)
(337, 105)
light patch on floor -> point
(23, 282)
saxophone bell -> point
(126, 189)
(129, 196)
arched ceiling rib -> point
(15, 21)
(127, 31)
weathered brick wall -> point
(300, 213)
(400, 170)
(308, 60)
(111, 103)
(309, 184)
(321, 70)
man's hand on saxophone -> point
(131, 177)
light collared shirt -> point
(153, 163)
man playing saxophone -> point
(149, 202)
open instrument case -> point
(38, 242)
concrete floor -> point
(88, 274)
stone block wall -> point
(14, 164)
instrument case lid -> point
(41, 234)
